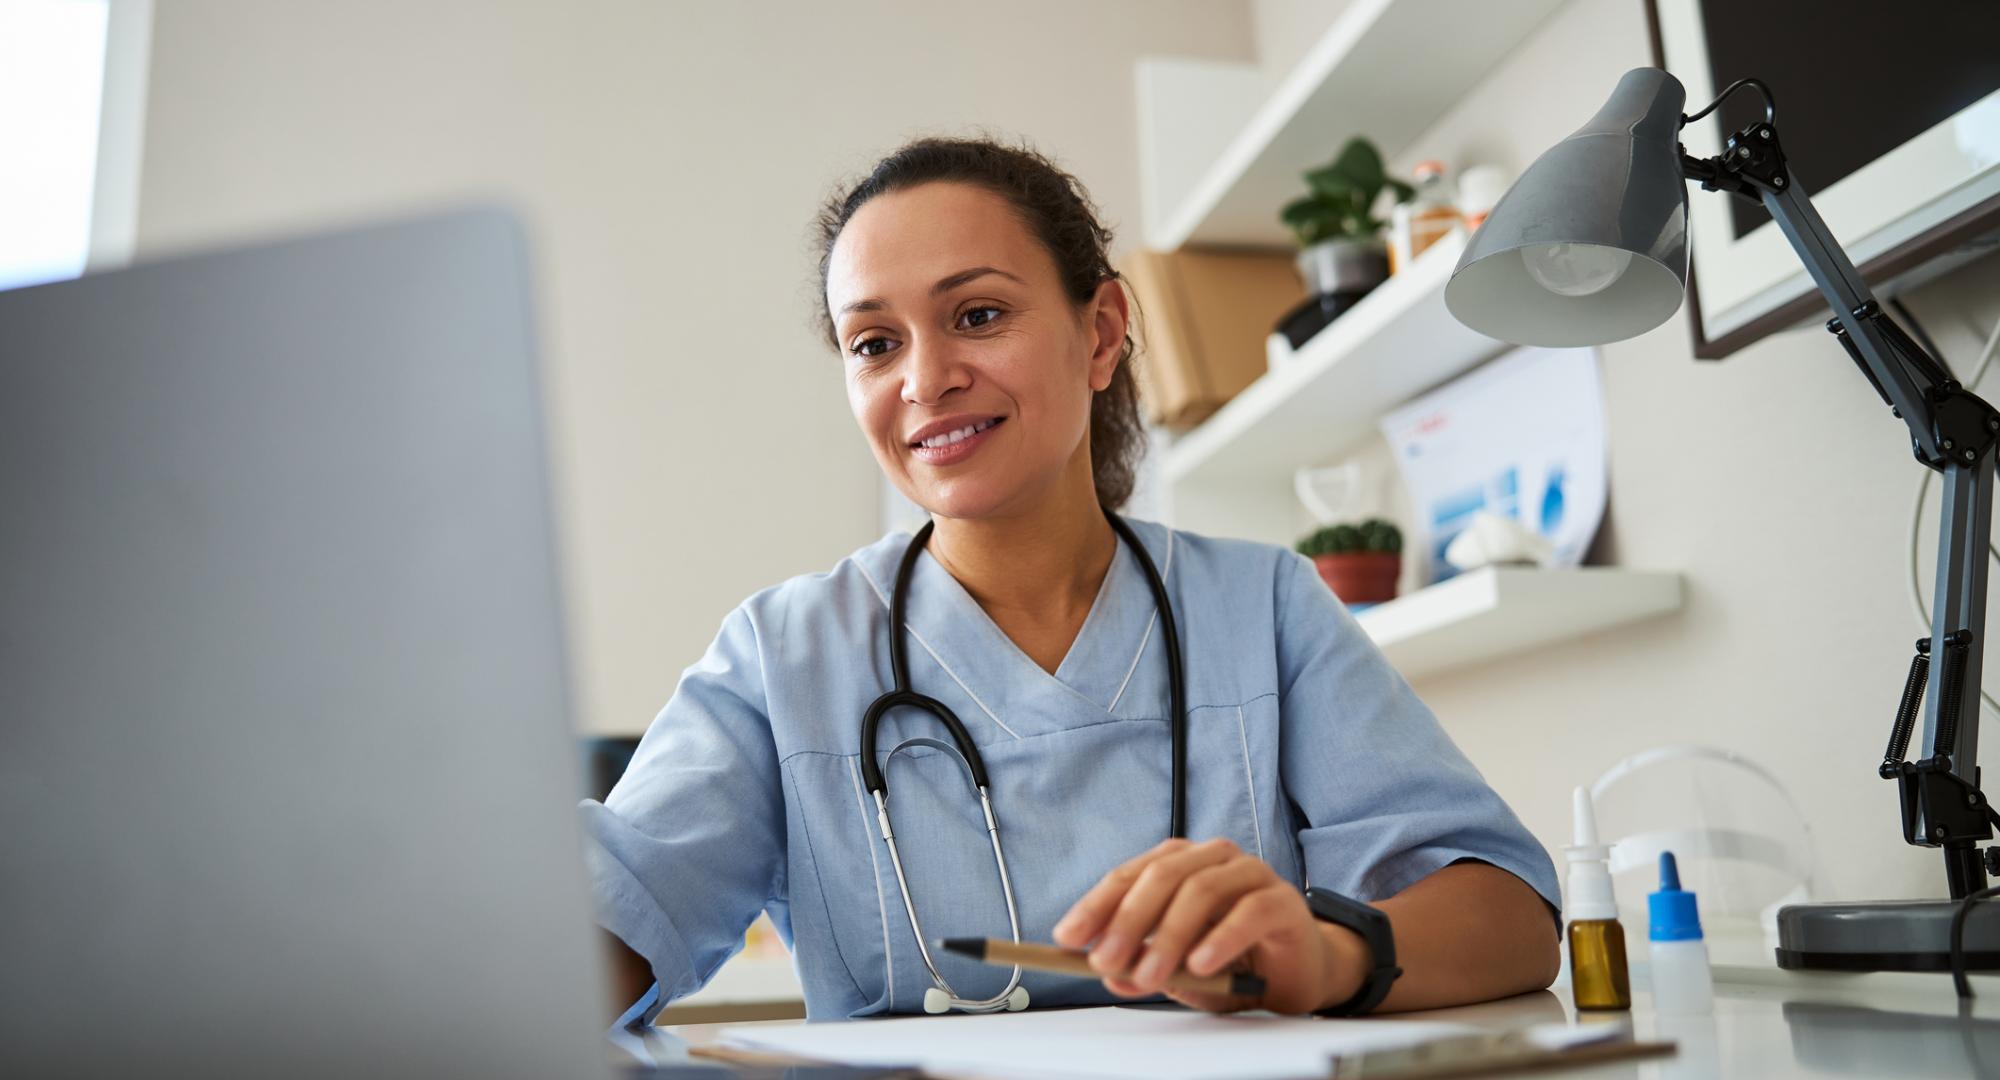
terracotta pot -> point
(1361, 577)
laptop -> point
(287, 782)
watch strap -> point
(1373, 926)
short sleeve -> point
(688, 846)
(1385, 795)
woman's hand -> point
(1212, 907)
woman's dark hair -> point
(1059, 213)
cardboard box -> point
(1203, 318)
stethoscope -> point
(941, 997)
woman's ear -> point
(1110, 316)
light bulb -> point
(1575, 269)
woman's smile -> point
(950, 441)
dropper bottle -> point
(1682, 983)
(1597, 974)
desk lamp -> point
(1590, 246)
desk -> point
(1766, 1023)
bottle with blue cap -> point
(1682, 984)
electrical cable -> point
(1985, 361)
(1770, 104)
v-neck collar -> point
(1102, 663)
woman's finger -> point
(1138, 912)
(1086, 918)
(1251, 918)
(1124, 987)
(1202, 900)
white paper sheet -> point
(1522, 437)
(1111, 1042)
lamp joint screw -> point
(1972, 799)
(1763, 133)
(1993, 423)
(1742, 151)
(1969, 455)
(1937, 833)
(1777, 181)
(1949, 445)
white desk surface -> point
(1766, 1023)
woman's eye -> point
(980, 316)
(868, 347)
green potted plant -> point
(1341, 253)
(1360, 563)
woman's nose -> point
(931, 370)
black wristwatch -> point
(1373, 926)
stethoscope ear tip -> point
(1017, 1000)
(936, 1001)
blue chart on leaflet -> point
(1522, 437)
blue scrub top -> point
(1304, 746)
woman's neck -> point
(1037, 573)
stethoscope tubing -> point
(902, 695)
(942, 996)
(1176, 676)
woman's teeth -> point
(960, 435)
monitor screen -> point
(1854, 79)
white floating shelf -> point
(1500, 610)
(1397, 342)
(1387, 69)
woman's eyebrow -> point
(944, 285)
(947, 284)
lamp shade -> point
(1590, 245)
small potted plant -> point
(1342, 255)
(1360, 563)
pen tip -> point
(965, 946)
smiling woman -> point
(965, 196)
(1164, 808)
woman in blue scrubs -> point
(987, 347)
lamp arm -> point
(1951, 430)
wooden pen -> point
(1077, 962)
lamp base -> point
(1884, 935)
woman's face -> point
(968, 368)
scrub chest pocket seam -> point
(881, 897)
(819, 889)
(1250, 781)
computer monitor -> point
(286, 778)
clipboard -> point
(1496, 1053)
(1448, 1050)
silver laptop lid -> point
(286, 781)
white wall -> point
(1285, 30)
(1775, 480)
(668, 157)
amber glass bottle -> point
(1597, 975)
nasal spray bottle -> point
(1682, 984)
(1597, 975)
